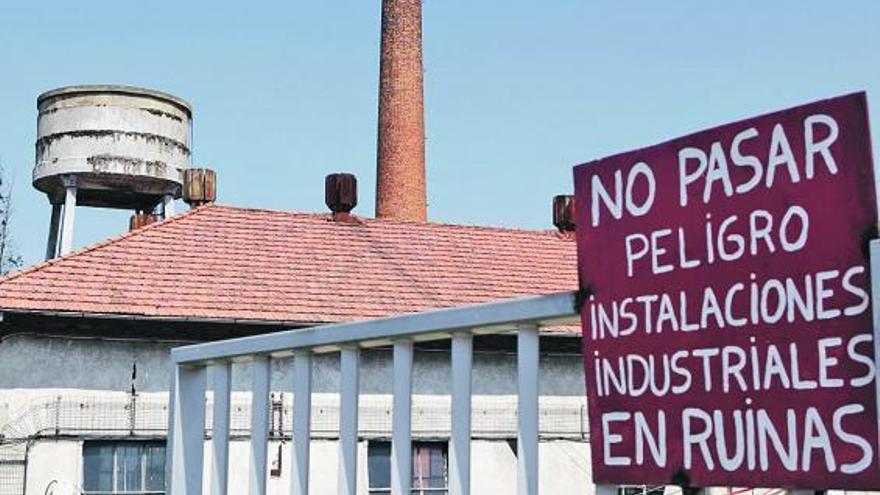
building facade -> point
(84, 357)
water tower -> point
(109, 147)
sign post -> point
(727, 330)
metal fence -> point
(12, 477)
(193, 363)
(118, 414)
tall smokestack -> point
(400, 166)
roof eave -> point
(182, 320)
(157, 319)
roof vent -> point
(563, 212)
(199, 186)
(141, 219)
(340, 195)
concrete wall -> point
(322, 470)
(54, 460)
(563, 465)
(51, 362)
(35, 371)
(107, 365)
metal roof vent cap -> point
(140, 219)
(199, 186)
(340, 195)
(563, 213)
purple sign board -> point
(727, 325)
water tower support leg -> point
(168, 206)
(69, 208)
(52, 244)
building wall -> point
(85, 383)
(29, 361)
(55, 362)
(58, 463)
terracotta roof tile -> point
(240, 263)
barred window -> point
(429, 475)
(123, 468)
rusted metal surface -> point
(141, 219)
(199, 186)
(340, 195)
(127, 146)
(564, 212)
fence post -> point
(259, 424)
(220, 428)
(302, 417)
(401, 432)
(460, 439)
(348, 420)
(527, 436)
(187, 430)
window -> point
(428, 470)
(123, 468)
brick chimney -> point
(400, 164)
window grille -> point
(123, 468)
(429, 470)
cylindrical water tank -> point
(127, 147)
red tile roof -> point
(220, 262)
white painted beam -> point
(302, 417)
(260, 402)
(220, 428)
(168, 206)
(169, 439)
(69, 209)
(527, 410)
(401, 433)
(460, 439)
(499, 316)
(348, 420)
(187, 435)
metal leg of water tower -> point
(52, 243)
(168, 206)
(69, 208)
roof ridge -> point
(548, 231)
(100, 244)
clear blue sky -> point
(517, 92)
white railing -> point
(186, 434)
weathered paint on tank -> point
(127, 147)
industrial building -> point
(85, 336)
(84, 357)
